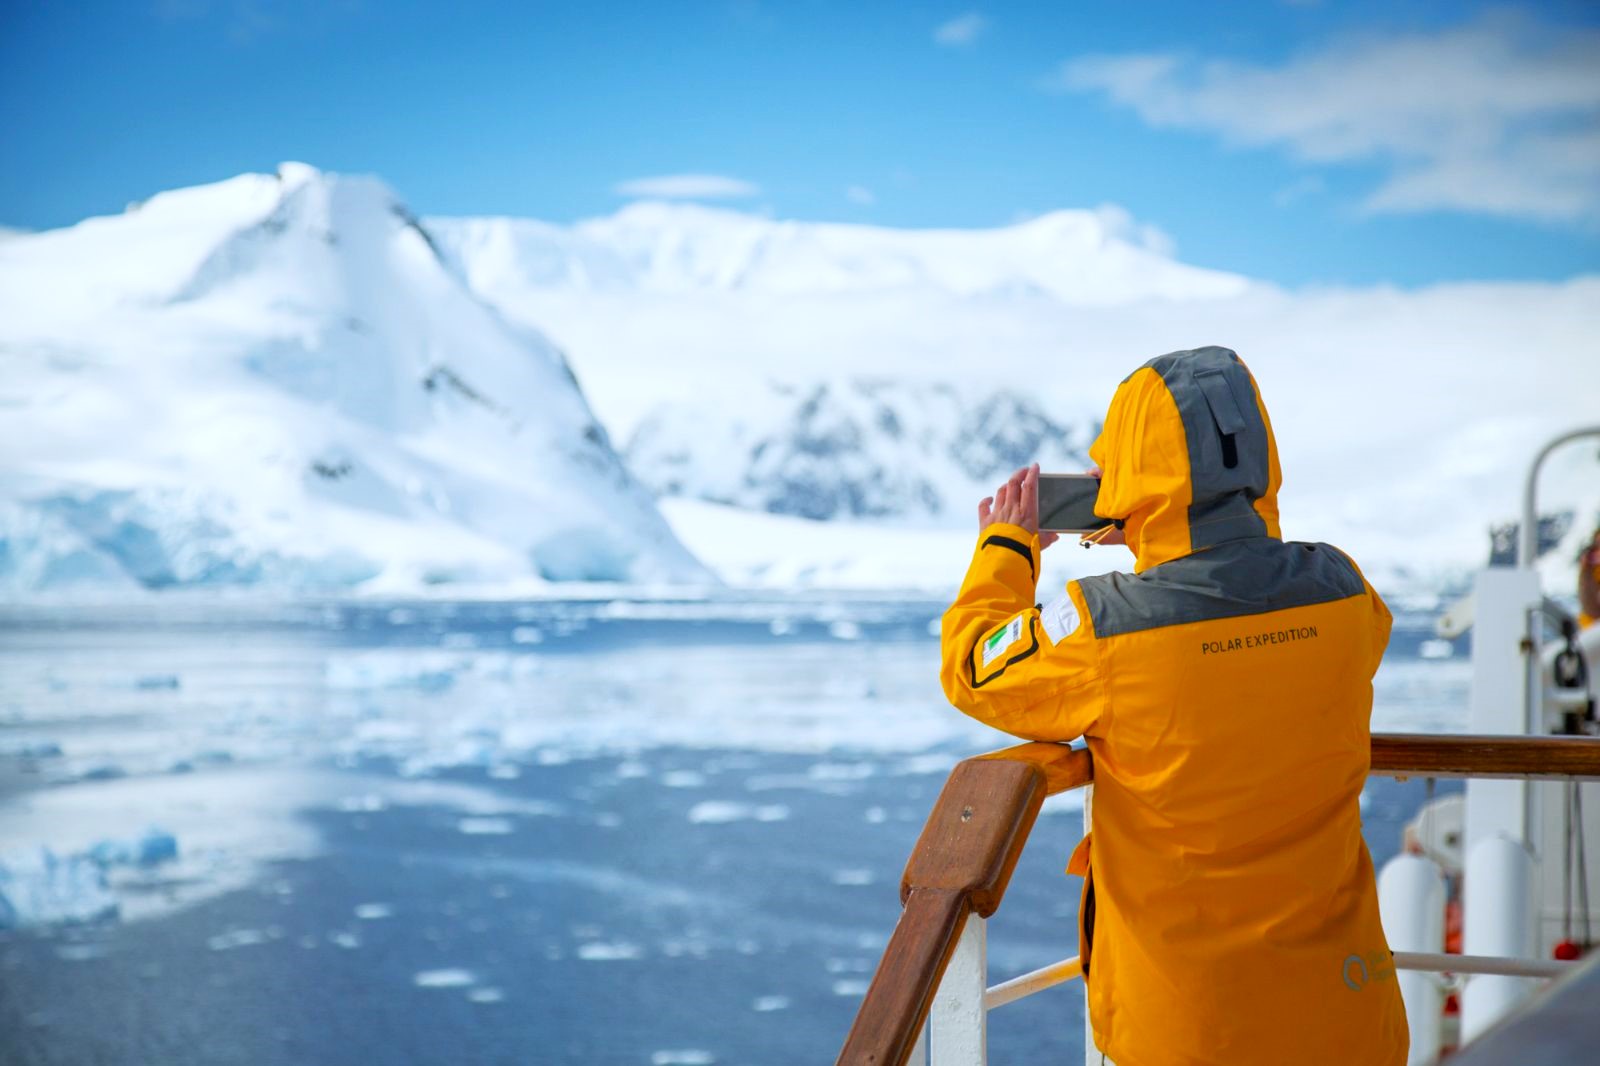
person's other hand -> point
(1113, 535)
(1016, 503)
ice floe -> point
(715, 812)
(40, 888)
(610, 951)
(237, 938)
(485, 826)
(448, 978)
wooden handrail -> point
(969, 847)
(961, 864)
(1426, 755)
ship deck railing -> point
(929, 998)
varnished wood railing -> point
(963, 860)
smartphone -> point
(1066, 503)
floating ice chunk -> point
(875, 815)
(527, 635)
(39, 888)
(451, 978)
(486, 995)
(683, 779)
(485, 826)
(371, 912)
(716, 812)
(505, 772)
(770, 1003)
(1436, 649)
(685, 1057)
(631, 769)
(459, 641)
(845, 630)
(853, 877)
(365, 803)
(154, 847)
(236, 938)
(615, 951)
(31, 749)
(850, 986)
(348, 941)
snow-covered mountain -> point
(1405, 418)
(277, 379)
(1081, 258)
(854, 448)
(288, 379)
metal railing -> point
(963, 860)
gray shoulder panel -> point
(1227, 440)
(1232, 580)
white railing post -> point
(1411, 902)
(957, 1033)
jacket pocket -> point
(1079, 865)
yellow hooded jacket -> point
(1229, 913)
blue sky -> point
(1299, 142)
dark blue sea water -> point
(564, 832)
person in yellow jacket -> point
(1229, 912)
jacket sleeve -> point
(1032, 670)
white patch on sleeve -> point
(996, 644)
(1059, 617)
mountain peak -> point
(1084, 257)
(292, 174)
(299, 391)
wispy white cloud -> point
(860, 194)
(1500, 116)
(1298, 189)
(688, 187)
(961, 30)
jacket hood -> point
(1187, 457)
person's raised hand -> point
(1108, 537)
(1016, 503)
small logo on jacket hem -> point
(1358, 972)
